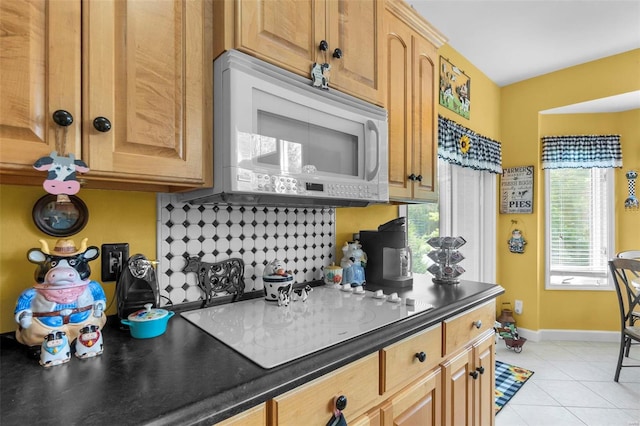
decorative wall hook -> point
(632, 203)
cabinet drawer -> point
(313, 403)
(255, 416)
(462, 329)
(400, 363)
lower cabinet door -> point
(458, 389)
(419, 404)
(485, 361)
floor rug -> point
(509, 380)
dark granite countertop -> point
(187, 377)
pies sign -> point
(516, 190)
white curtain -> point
(468, 208)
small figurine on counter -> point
(283, 294)
(353, 263)
(63, 299)
(89, 342)
(55, 349)
(302, 293)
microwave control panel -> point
(282, 184)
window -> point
(580, 228)
(423, 222)
(467, 208)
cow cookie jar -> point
(64, 301)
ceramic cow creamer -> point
(63, 298)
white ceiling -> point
(514, 40)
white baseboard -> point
(570, 335)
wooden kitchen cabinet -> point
(256, 416)
(313, 403)
(39, 73)
(408, 359)
(143, 66)
(468, 369)
(411, 78)
(288, 34)
(452, 384)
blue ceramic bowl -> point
(148, 323)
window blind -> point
(578, 221)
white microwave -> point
(280, 141)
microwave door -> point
(304, 138)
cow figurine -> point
(63, 298)
(89, 342)
(302, 293)
(62, 173)
(284, 293)
(55, 349)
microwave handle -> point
(367, 142)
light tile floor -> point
(572, 384)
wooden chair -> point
(625, 272)
(632, 254)
(629, 254)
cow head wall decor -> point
(61, 179)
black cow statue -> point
(63, 298)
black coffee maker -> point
(136, 286)
(388, 254)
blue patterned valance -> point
(464, 147)
(581, 151)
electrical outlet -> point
(114, 257)
(518, 307)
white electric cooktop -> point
(271, 335)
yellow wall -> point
(485, 106)
(523, 275)
(114, 217)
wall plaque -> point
(516, 190)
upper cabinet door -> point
(399, 105)
(281, 32)
(288, 34)
(147, 70)
(355, 27)
(39, 74)
(425, 144)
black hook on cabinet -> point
(324, 46)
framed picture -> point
(455, 89)
(60, 218)
(516, 190)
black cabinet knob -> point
(62, 118)
(480, 370)
(474, 374)
(102, 124)
(337, 53)
(411, 177)
(341, 402)
(419, 178)
(323, 45)
(421, 356)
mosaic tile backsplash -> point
(303, 237)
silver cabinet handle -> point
(477, 324)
